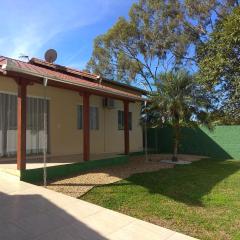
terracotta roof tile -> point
(65, 69)
(33, 69)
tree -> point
(160, 35)
(179, 102)
(135, 49)
(219, 62)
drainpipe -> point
(145, 125)
(146, 141)
(45, 82)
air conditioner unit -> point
(108, 103)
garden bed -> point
(78, 185)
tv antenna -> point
(50, 55)
(24, 56)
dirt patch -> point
(77, 186)
(181, 157)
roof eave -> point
(10, 67)
(136, 89)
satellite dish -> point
(50, 55)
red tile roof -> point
(84, 74)
(43, 69)
(64, 69)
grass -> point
(201, 199)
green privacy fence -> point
(223, 142)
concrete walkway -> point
(31, 212)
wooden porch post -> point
(21, 125)
(126, 126)
(86, 127)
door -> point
(36, 107)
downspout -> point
(145, 126)
(45, 82)
(146, 140)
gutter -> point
(10, 66)
(120, 84)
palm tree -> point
(179, 102)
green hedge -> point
(54, 172)
(223, 142)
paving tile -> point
(79, 230)
(9, 231)
(107, 221)
(59, 234)
(154, 228)
(3, 197)
(13, 185)
(41, 223)
(57, 199)
(139, 231)
(179, 236)
(77, 211)
(48, 201)
(13, 209)
(36, 213)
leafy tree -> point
(159, 35)
(219, 62)
(179, 102)
(134, 49)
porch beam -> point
(86, 126)
(21, 124)
(126, 127)
(72, 87)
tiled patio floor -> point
(31, 212)
(37, 161)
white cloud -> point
(28, 25)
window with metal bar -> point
(94, 117)
(121, 120)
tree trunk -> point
(176, 142)
(175, 151)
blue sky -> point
(31, 27)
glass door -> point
(35, 124)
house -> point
(77, 112)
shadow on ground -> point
(34, 217)
(185, 183)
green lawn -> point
(201, 199)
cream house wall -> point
(65, 138)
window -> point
(36, 109)
(94, 118)
(79, 117)
(121, 120)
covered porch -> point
(31, 162)
(35, 162)
(25, 80)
